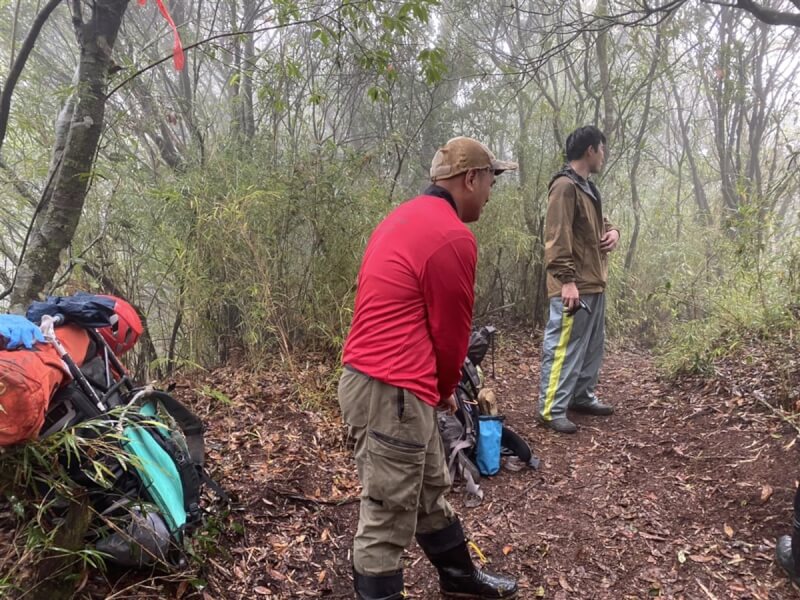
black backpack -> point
(460, 431)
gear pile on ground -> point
(681, 494)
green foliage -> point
(249, 244)
(217, 395)
(205, 542)
(434, 66)
(35, 487)
(269, 257)
(712, 292)
(508, 257)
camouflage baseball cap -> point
(461, 154)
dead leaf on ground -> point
(766, 492)
(700, 558)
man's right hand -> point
(448, 404)
(570, 296)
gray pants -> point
(400, 460)
(571, 356)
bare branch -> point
(19, 185)
(28, 233)
(219, 36)
(19, 64)
(769, 15)
(643, 11)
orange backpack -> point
(28, 380)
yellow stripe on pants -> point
(558, 363)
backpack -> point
(145, 475)
(28, 380)
(461, 431)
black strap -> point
(215, 487)
(190, 424)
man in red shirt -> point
(402, 361)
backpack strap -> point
(192, 471)
(190, 424)
(215, 487)
(471, 486)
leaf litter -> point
(680, 494)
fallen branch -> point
(705, 589)
(776, 411)
(317, 501)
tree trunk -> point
(58, 221)
(248, 64)
(53, 571)
(609, 108)
(703, 208)
(186, 102)
(533, 213)
(635, 200)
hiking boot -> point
(388, 586)
(559, 424)
(458, 578)
(785, 558)
(593, 407)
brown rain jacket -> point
(573, 227)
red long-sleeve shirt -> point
(413, 310)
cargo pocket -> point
(394, 471)
(354, 395)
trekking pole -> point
(493, 375)
(120, 373)
(48, 329)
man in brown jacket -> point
(577, 242)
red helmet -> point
(125, 328)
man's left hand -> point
(609, 241)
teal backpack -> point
(146, 474)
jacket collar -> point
(440, 192)
(586, 186)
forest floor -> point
(680, 494)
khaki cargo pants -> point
(401, 466)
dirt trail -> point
(679, 495)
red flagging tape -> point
(177, 48)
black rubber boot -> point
(458, 578)
(388, 586)
(787, 550)
(785, 558)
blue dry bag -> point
(490, 434)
